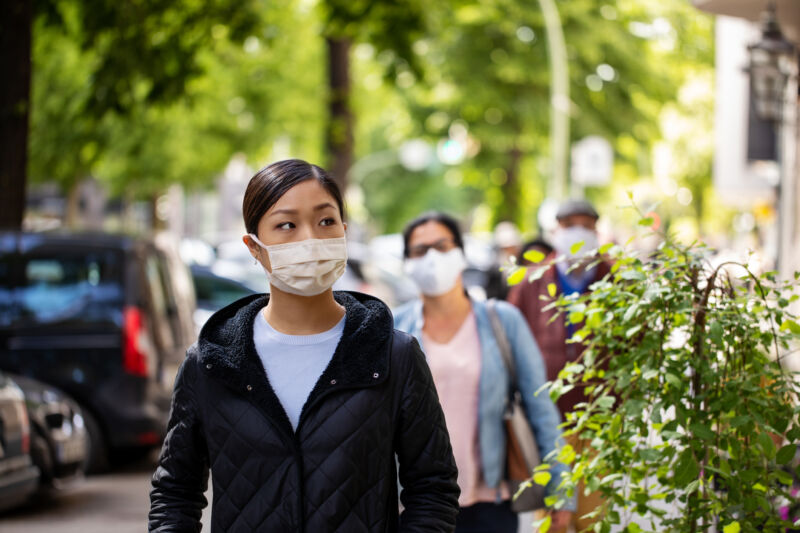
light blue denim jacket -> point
(542, 413)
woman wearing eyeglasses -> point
(304, 404)
(470, 377)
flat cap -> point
(576, 207)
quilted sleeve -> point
(181, 478)
(427, 468)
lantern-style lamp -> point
(772, 61)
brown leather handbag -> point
(522, 450)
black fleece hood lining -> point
(226, 350)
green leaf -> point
(738, 421)
(648, 221)
(715, 332)
(790, 325)
(687, 469)
(785, 454)
(702, 431)
(575, 317)
(632, 275)
(575, 248)
(538, 273)
(632, 331)
(673, 380)
(551, 289)
(534, 256)
(594, 320)
(517, 275)
(767, 445)
(544, 524)
(733, 527)
(542, 478)
(605, 248)
(566, 454)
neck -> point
(453, 303)
(302, 315)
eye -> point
(330, 221)
(285, 225)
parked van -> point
(105, 318)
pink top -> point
(456, 369)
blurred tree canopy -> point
(142, 95)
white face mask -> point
(436, 273)
(305, 268)
(565, 238)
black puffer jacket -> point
(337, 472)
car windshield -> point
(66, 287)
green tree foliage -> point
(485, 65)
(242, 93)
(692, 415)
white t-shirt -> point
(294, 363)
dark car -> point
(214, 291)
(58, 439)
(106, 319)
(19, 478)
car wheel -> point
(41, 456)
(97, 460)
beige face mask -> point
(305, 268)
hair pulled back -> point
(270, 183)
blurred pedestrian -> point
(299, 401)
(506, 241)
(539, 244)
(470, 376)
(577, 223)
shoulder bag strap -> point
(505, 347)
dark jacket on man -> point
(372, 415)
(551, 333)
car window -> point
(8, 308)
(214, 292)
(69, 287)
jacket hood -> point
(227, 351)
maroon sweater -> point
(551, 336)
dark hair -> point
(273, 181)
(433, 216)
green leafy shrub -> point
(691, 415)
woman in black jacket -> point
(305, 404)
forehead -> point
(306, 194)
(429, 232)
(578, 220)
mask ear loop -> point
(257, 241)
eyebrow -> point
(319, 207)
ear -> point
(345, 225)
(251, 246)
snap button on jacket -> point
(338, 471)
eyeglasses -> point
(442, 245)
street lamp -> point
(771, 64)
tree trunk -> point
(339, 133)
(72, 214)
(16, 19)
(510, 210)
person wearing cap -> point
(577, 222)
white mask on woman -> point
(436, 273)
(305, 268)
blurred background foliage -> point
(142, 95)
